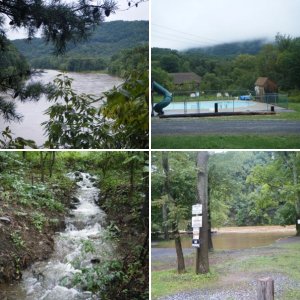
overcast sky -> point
(180, 24)
(134, 13)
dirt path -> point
(230, 127)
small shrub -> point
(17, 239)
(38, 220)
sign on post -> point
(197, 222)
(196, 243)
(196, 233)
(197, 209)
(298, 221)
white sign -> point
(197, 222)
(298, 221)
(197, 209)
(196, 236)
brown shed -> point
(264, 85)
(190, 79)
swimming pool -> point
(210, 105)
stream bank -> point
(26, 236)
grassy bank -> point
(233, 270)
(226, 142)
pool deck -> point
(256, 108)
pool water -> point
(209, 105)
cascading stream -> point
(52, 279)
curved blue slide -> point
(158, 107)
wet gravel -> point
(245, 291)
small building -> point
(264, 85)
(186, 81)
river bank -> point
(233, 273)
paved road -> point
(205, 127)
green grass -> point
(169, 282)
(226, 142)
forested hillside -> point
(234, 66)
(228, 49)
(94, 53)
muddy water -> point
(52, 279)
(233, 240)
(33, 112)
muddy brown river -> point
(235, 240)
(33, 112)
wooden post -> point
(265, 289)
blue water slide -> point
(167, 97)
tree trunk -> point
(178, 247)
(52, 163)
(265, 289)
(179, 252)
(202, 262)
(297, 200)
(210, 242)
(165, 219)
(42, 164)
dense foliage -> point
(121, 122)
(237, 69)
(94, 53)
(245, 188)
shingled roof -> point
(181, 78)
(261, 81)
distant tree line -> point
(236, 69)
(94, 54)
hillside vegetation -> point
(234, 66)
(93, 54)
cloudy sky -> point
(179, 24)
(134, 13)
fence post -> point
(265, 289)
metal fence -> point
(223, 101)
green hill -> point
(231, 49)
(92, 54)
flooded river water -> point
(230, 240)
(33, 112)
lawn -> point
(226, 142)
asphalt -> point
(228, 127)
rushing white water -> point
(33, 112)
(52, 279)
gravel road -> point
(204, 127)
(240, 286)
(241, 291)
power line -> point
(178, 38)
(186, 33)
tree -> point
(173, 217)
(202, 261)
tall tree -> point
(202, 261)
(174, 222)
